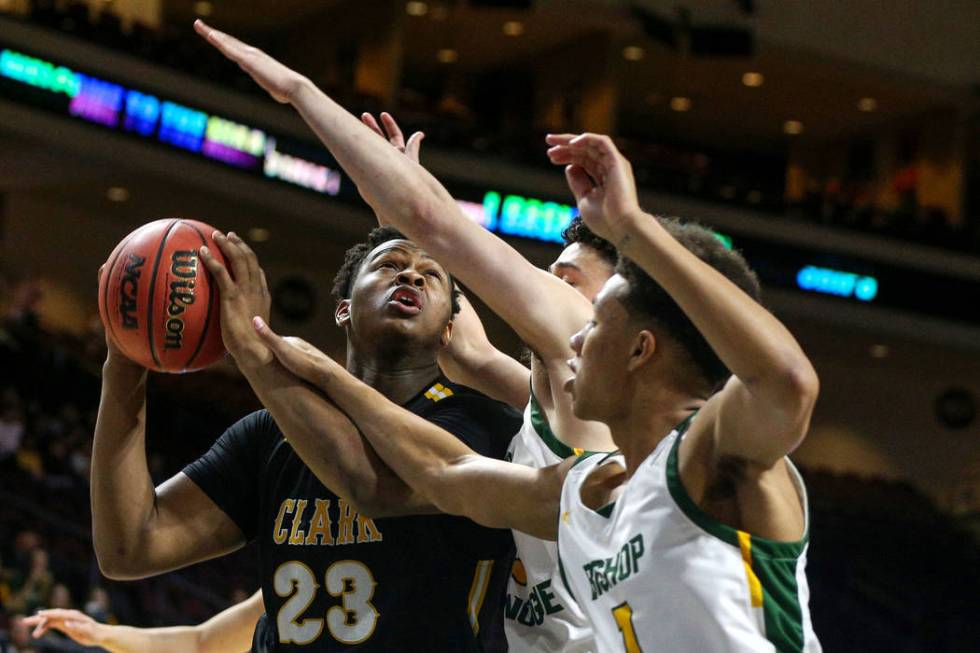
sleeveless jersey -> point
(653, 572)
(539, 615)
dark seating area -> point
(491, 126)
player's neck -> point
(398, 378)
(650, 419)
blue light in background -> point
(182, 126)
(834, 282)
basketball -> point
(158, 301)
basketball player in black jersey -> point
(342, 567)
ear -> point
(644, 346)
(447, 334)
(342, 314)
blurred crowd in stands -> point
(49, 392)
(748, 179)
(888, 571)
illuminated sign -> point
(144, 114)
(513, 215)
(834, 282)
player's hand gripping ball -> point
(158, 302)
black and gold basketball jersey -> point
(334, 580)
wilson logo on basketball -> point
(184, 267)
(128, 290)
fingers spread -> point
(255, 273)
(371, 122)
(579, 181)
(220, 273)
(231, 247)
(559, 139)
(395, 136)
(414, 146)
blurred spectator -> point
(33, 589)
(11, 423)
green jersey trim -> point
(770, 565)
(539, 422)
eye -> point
(434, 274)
(387, 264)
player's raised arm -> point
(229, 631)
(456, 479)
(470, 359)
(543, 310)
(317, 430)
(763, 412)
(139, 530)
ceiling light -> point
(117, 194)
(879, 351)
(680, 103)
(792, 127)
(447, 55)
(258, 234)
(867, 104)
(513, 28)
(633, 53)
(416, 8)
(203, 8)
(753, 79)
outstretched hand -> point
(393, 134)
(77, 625)
(280, 81)
(601, 179)
(298, 356)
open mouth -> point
(406, 300)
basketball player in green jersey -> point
(693, 537)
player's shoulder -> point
(444, 395)
(255, 427)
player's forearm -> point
(121, 488)
(752, 343)
(492, 372)
(417, 450)
(408, 197)
(397, 188)
(330, 445)
(126, 639)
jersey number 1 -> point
(351, 622)
(623, 614)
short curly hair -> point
(343, 281)
(648, 300)
(578, 232)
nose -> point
(410, 277)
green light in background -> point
(725, 240)
(39, 73)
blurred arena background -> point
(836, 143)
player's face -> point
(602, 352)
(581, 267)
(400, 291)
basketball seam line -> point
(207, 317)
(108, 280)
(153, 285)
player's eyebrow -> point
(404, 250)
(563, 265)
